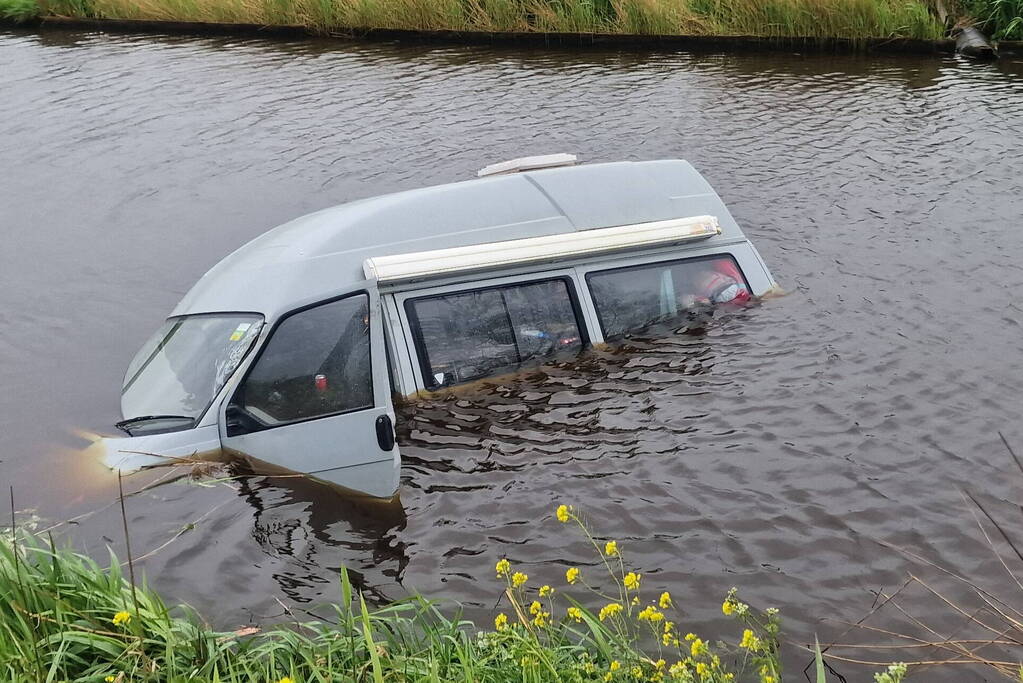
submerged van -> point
(289, 350)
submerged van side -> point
(416, 292)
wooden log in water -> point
(972, 43)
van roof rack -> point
(527, 164)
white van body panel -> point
(321, 256)
(136, 452)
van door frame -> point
(378, 372)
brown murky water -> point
(769, 450)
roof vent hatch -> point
(527, 164)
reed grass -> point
(1002, 19)
(853, 19)
(63, 617)
(18, 11)
(980, 630)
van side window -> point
(316, 364)
(628, 299)
(467, 335)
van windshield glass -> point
(182, 367)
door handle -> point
(385, 433)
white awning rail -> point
(426, 265)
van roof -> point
(321, 254)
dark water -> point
(770, 450)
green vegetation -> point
(854, 19)
(19, 10)
(63, 617)
(849, 19)
(1002, 19)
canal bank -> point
(555, 40)
(801, 24)
(929, 36)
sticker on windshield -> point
(240, 331)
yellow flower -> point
(637, 672)
(609, 610)
(615, 665)
(535, 607)
(632, 581)
(607, 676)
(120, 618)
(669, 626)
(540, 619)
(690, 636)
(501, 621)
(503, 566)
(572, 575)
(285, 680)
(698, 648)
(110, 679)
(768, 679)
(749, 640)
(728, 608)
(677, 669)
(564, 512)
(545, 591)
(666, 639)
(665, 601)
(518, 578)
(659, 664)
(701, 669)
(650, 614)
(611, 548)
(575, 613)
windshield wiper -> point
(126, 425)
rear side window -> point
(468, 335)
(628, 299)
(316, 364)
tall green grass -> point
(1002, 19)
(19, 10)
(855, 19)
(63, 617)
(847, 19)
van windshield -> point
(182, 368)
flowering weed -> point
(63, 617)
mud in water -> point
(771, 448)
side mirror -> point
(239, 421)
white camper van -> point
(289, 350)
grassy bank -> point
(854, 19)
(63, 617)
